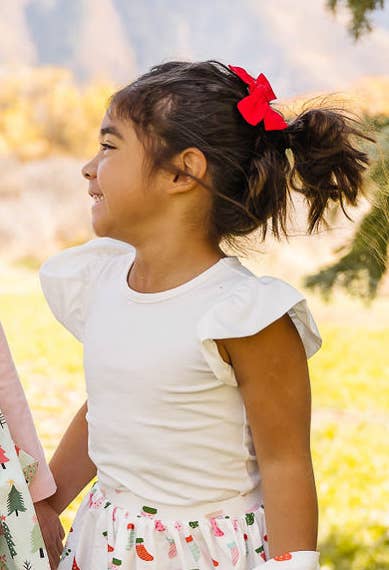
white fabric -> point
(298, 560)
(156, 384)
(124, 532)
(252, 305)
(166, 418)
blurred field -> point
(350, 424)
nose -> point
(88, 171)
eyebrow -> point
(111, 130)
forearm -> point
(71, 465)
(291, 506)
(14, 405)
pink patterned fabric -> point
(18, 415)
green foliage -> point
(361, 269)
(360, 14)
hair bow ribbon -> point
(255, 107)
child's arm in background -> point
(18, 415)
(71, 465)
(272, 373)
(21, 425)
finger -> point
(54, 553)
(55, 558)
(53, 565)
(59, 546)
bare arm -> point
(71, 465)
(272, 372)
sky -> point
(299, 44)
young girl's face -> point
(126, 200)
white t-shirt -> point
(165, 414)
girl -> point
(199, 405)
(25, 512)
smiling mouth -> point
(97, 197)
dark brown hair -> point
(178, 105)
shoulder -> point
(69, 277)
(85, 258)
(250, 303)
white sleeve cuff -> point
(298, 560)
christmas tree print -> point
(75, 565)
(142, 552)
(15, 501)
(2, 539)
(65, 553)
(28, 463)
(2, 424)
(8, 537)
(3, 458)
(37, 539)
(3, 563)
(27, 565)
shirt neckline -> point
(169, 293)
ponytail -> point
(327, 163)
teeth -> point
(97, 197)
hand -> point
(52, 531)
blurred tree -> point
(44, 112)
(365, 260)
(360, 13)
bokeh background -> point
(60, 60)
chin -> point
(101, 230)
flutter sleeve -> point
(251, 306)
(17, 413)
(67, 279)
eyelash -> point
(105, 146)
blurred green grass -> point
(350, 427)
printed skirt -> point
(21, 542)
(118, 529)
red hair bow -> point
(255, 107)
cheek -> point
(110, 175)
(122, 184)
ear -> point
(193, 162)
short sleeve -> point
(250, 307)
(68, 278)
(17, 413)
